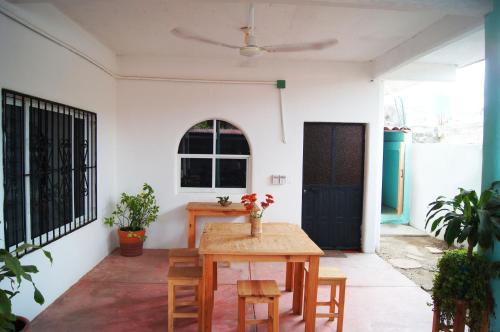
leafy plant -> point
(250, 203)
(463, 277)
(13, 272)
(462, 274)
(223, 200)
(135, 212)
(467, 217)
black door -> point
(332, 194)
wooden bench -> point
(258, 291)
(185, 276)
(334, 278)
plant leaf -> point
(48, 255)
(38, 296)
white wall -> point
(153, 116)
(33, 65)
(440, 169)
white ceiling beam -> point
(439, 34)
(451, 7)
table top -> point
(276, 239)
(244, 228)
(209, 206)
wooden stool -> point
(334, 278)
(184, 256)
(259, 291)
(188, 256)
(184, 276)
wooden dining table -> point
(279, 242)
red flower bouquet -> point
(250, 203)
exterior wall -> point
(153, 116)
(440, 169)
(491, 138)
(33, 65)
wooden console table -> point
(201, 209)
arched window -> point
(213, 155)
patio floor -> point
(130, 294)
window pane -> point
(230, 140)
(196, 172)
(317, 154)
(80, 148)
(231, 173)
(50, 169)
(349, 144)
(198, 139)
(14, 175)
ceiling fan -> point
(250, 47)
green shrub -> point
(463, 277)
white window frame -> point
(213, 156)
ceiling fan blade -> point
(314, 46)
(185, 34)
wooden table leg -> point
(289, 276)
(208, 270)
(298, 288)
(191, 230)
(215, 276)
(312, 293)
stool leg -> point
(276, 314)
(171, 296)
(241, 314)
(333, 297)
(199, 298)
(304, 314)
(340, 321)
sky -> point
(453, 108)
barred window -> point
(213, 155)
(49, 168)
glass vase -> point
(256, 227)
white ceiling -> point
(142, 27)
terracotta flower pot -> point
(459, 323)
(131, 242)
(22, 324)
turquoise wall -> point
(491, 136)
(390, 176)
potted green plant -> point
(461, 289)
(133, 214)
(12, 273)
(223, 201)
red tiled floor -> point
(130, 294)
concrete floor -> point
(400, 230)
(130, 294)
(416, 249)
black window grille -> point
(50, 169)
